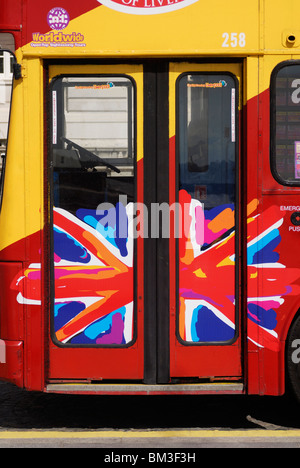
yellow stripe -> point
(146, 434)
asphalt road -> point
(170, 422)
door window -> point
(207, 132)
(93, 187)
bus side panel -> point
(11, 325)
(11, 317)
(273, 266)
(21, 316)
(11, 362)
(265, 354)
(10, 13)
(11, 19)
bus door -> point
(205, 304)
(134, 297)
(96, 165)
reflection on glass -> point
(207, 137)
(92, 136)
(6, 79)
(286, 123)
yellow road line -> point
(145, 434)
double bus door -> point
(144, 222)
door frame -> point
(153, 354)
(101, 362)
(156, 190)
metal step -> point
(141, 389)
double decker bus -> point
(150, 197)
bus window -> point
(285, 123)
(92, 137)
(6, 77)
(207, 137)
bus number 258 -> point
(234, 39)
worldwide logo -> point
(58, 18)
